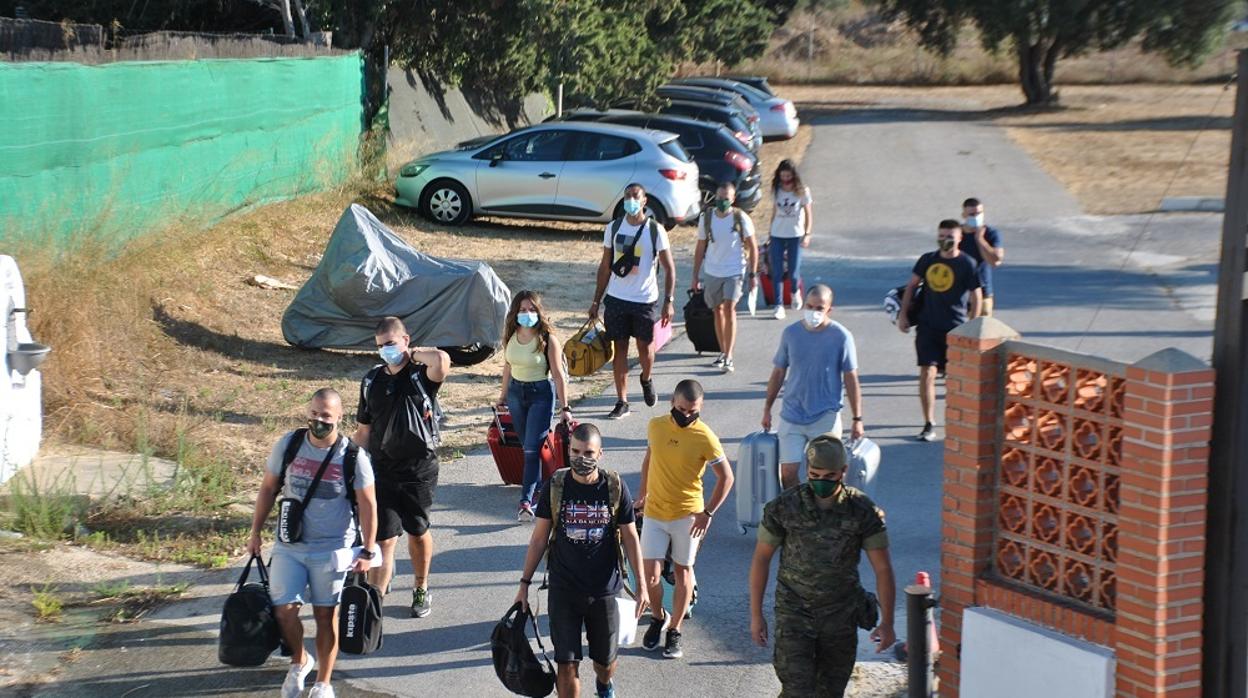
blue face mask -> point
(527, 319)
(632, 206)
(391, 354)
(975, 221)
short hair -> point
(326, 394)
(587, 432)
(635, 184)
(726, 185)
(950, 224)
(822, 290)
(390, 323)
(689, 389)
(971, 203)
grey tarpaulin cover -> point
(369, 272)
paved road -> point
(882, 178)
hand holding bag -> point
(248, 632)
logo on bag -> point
(351, 613)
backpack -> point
(630, 260)
(248, 632)
(359, 617)
(738, 226)
(348, 464)
(514, 661)
(425, 418)
(614, 495)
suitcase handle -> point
(498, 421)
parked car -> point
(722, 98)
(758, 82)
(720, 156)
(558, 171)
(778, 115)
(735, 120)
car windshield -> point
(675, 149)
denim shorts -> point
(294, 571)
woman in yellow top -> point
(531, 363)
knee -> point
(568, 671)
(287, 612)
(684, 573)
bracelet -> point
(709, 514)
(526, 582)
(566, 409)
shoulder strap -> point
(706, 225)
(348, 478)
(288, 456)
(615, 492)
(320, 473)
(654, 240)
(556, 502)
(738, 224)
(615, 226)
(435, 429)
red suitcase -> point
(769, 295)
(555, 449)
(506, 449)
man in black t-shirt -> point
(951, 294)
(584, 563)
(982, 243)
(398, 426)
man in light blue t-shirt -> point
(816, 363)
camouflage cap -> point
(826, 452)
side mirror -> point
(496, 158)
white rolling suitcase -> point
(758, 476)
(864, 462)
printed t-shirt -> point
(790, 218)
(584, 558)
(641, 285)
(947, 285)
(327, 522)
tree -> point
(1042, 31)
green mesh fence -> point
(119, 149)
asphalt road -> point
(882, 179)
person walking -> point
(585, 525)
(951, 295)
(728, 254)
(982, 243)
(791, 223)
(331, 478)
(679, 449)
(820, 529)
(817, 364)
(397, 422)
(634, 246)
(532, 360)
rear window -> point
(675, 149)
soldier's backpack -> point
(738, 226)
(588, 350)
(248, 632)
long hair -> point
(543, 327)
(797, 178)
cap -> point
(825, 452)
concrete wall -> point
(426, 117)
(1050, 664)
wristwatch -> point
(669, 299)
(857, 419)
(366, 554)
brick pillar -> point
(973, 395)
(1168, 415)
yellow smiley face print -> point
(939, 277)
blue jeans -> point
(777, 250)
(530, 405)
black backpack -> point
(359, 617)
(514, 661)
(249, 631)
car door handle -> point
(546, 175)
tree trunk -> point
(303, 19)
(287, 23)
(1035, 70)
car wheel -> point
(446, 201)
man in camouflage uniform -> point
(820, 527)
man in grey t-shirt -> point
(816, 363)
(313, 568)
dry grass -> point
(1116, 147)
(164, 348)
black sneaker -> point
(621, 410)
(928, 433)
(672, 650)
(650, 642)
(647, 391)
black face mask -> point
(320, 429)
(683, 420)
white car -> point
(575, 171)
(777, 115)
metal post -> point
(1225, 641)
(559, 100)
(919, 650)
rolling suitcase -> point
(769, 295)
(700, 323)
(662, 335)
(758, 476)
(864, 463)
(555, 449)
(505, 447)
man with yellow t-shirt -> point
(679, 448)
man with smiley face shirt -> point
(951, 295)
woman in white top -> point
(791, 224)
(532, 358)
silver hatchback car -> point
(560, 171)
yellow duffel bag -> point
(587, 350)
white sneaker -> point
(292, 687)
(797, 300)
(719, 361)
(321, 690)
(728, 366)
(779, 312)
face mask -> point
(946, 244)
(975, 221)
(824, 488)
(683, 420)
(527, 319)
(391, 354)
(583, 465)
(723, 205)
(813, 318)
(632, 206)
(320, 429)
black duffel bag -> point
(359, 617)
(249, 631)
(514, 660)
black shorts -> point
(931, 347)
(626, 319)
(404, 498)
(569, 613)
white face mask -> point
(975, 221)
(813, 318)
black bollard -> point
(920, 664)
